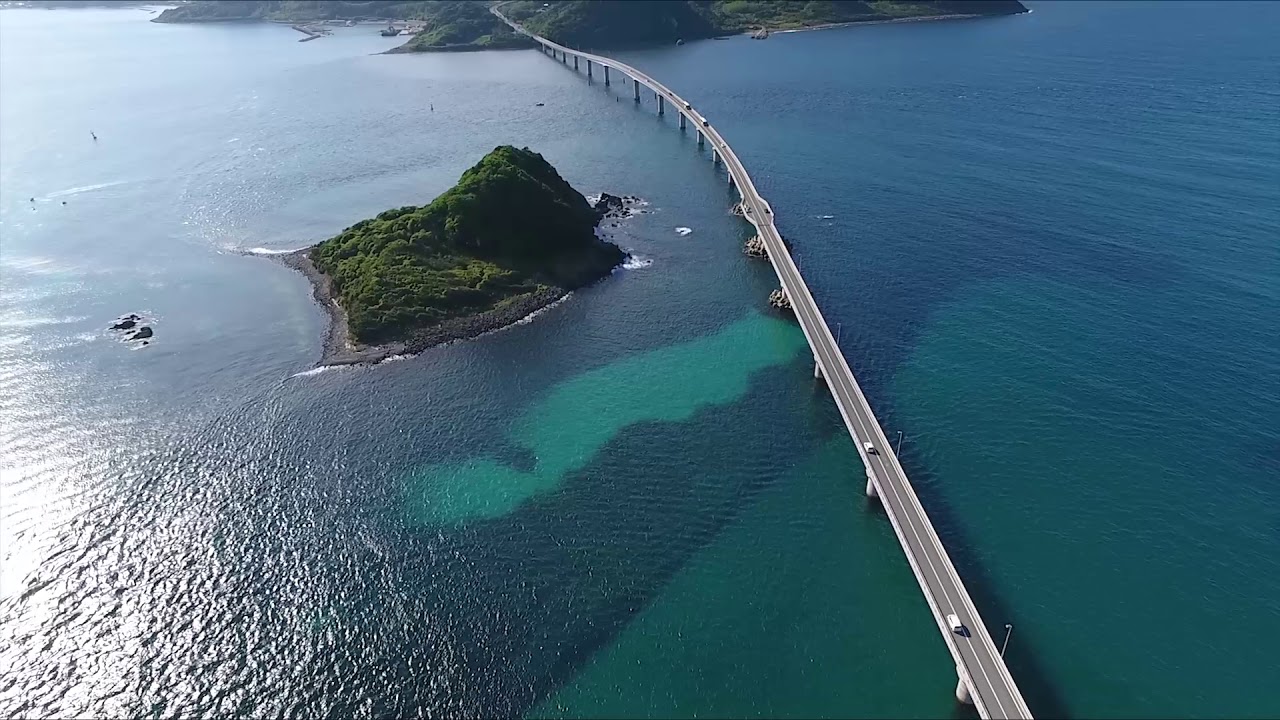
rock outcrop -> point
(779, 299)
(126, 323)
(609, 205)
(755, 247)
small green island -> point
(509, 239)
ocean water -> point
(1050, 242)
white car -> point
(870, 448)
(957, 627)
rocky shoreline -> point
(339, 350)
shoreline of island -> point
(337, 348)
(885, 21)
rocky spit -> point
(339, 349)
(614, 207)
(755, 248)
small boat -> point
(391, 31)
(539, 104)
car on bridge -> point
(957, 627)
(869, 447)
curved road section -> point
(980, 667)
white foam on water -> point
(529, 318)
(86, 188)
(826, 217)
(682, 231)
(266, 251)
(636, 262)
(318, 370)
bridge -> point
(982, 677)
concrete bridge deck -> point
(983, 678)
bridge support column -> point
(730, 179)
(636, 83)
(962, 689)
(701, 138)
(564, 58)
(715, 155)
(682, 118)
(606, 76)
(661, 107)
(817, 369)
(872, 492)
(575, 62)
(588, 69)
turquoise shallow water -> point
(1050, 240)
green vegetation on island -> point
(463, 25)
(447, 25)
(625, 23)
(613, 23)
(511, 228)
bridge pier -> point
(872, 491)
(564, 59)
(817, 369)
(606, 76)
(682, 119)
(588, 69)
(730, 179)
(636, 83)
(662, 110)
(715, 156)
(575, 62)
(962, 689)
(701, 138)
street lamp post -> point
(838, 332)
(899, 450)
(1008, 630)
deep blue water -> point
(1050, 241)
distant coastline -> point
(888, 21)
